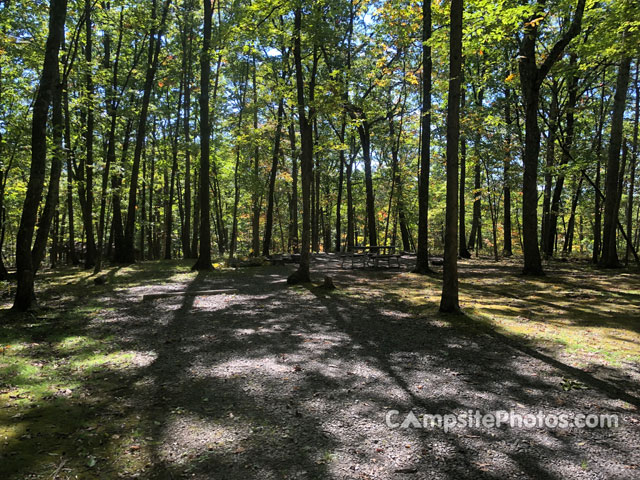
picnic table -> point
(371, 255)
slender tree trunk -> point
(342, 161)
(25, 295)
(127, 254)
(568, 241)
(475, 238)
(86, 190)
(187, 52)
(609, 248)
(116, 186)
(597, 224)
(293, 227)
(449, 300)
(550, 154)
(306, 158)
(632, 174)
(463, 251)
(268, 226)
(350, 219)
(507, 248)
(168, 211)
(422, 257)
(111, 144)
(196, 217)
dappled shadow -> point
(273, 382)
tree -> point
(302, 274)
(449, 300)
(422, 258)
(531, 78)
(127, 253)
(612, 190)
(25, 294)
(203, 263)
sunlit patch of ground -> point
(588, 317)
(100, 383)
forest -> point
(170, 161)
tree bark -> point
(268, 226)
(203, 263)
(422, 253)
(25, 295)
(449, 300)
(632, 170)
(302, 275)
(127, 253)
(463, 251)
(531, 78)
(609, 248)
(507, 248)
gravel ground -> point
(278, 382)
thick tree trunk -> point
(449, 300)
(609, 248)
(531, 78)
(25, 295)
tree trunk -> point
(268, 226)
(86, 167)
(507, 248)
(293, 227)
(301, 275)
(463, 251)
(552, 224)
(51, 202)
(531, 78)
(422, 254)
(203, 263)
(568, 241)
(550, 155)
(609, 248)
(25, 295)
(449, 300)
(187, 51)
(632, 170)
(342, 161)
(127, 254)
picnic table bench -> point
(371, 255)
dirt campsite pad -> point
(235, 375)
